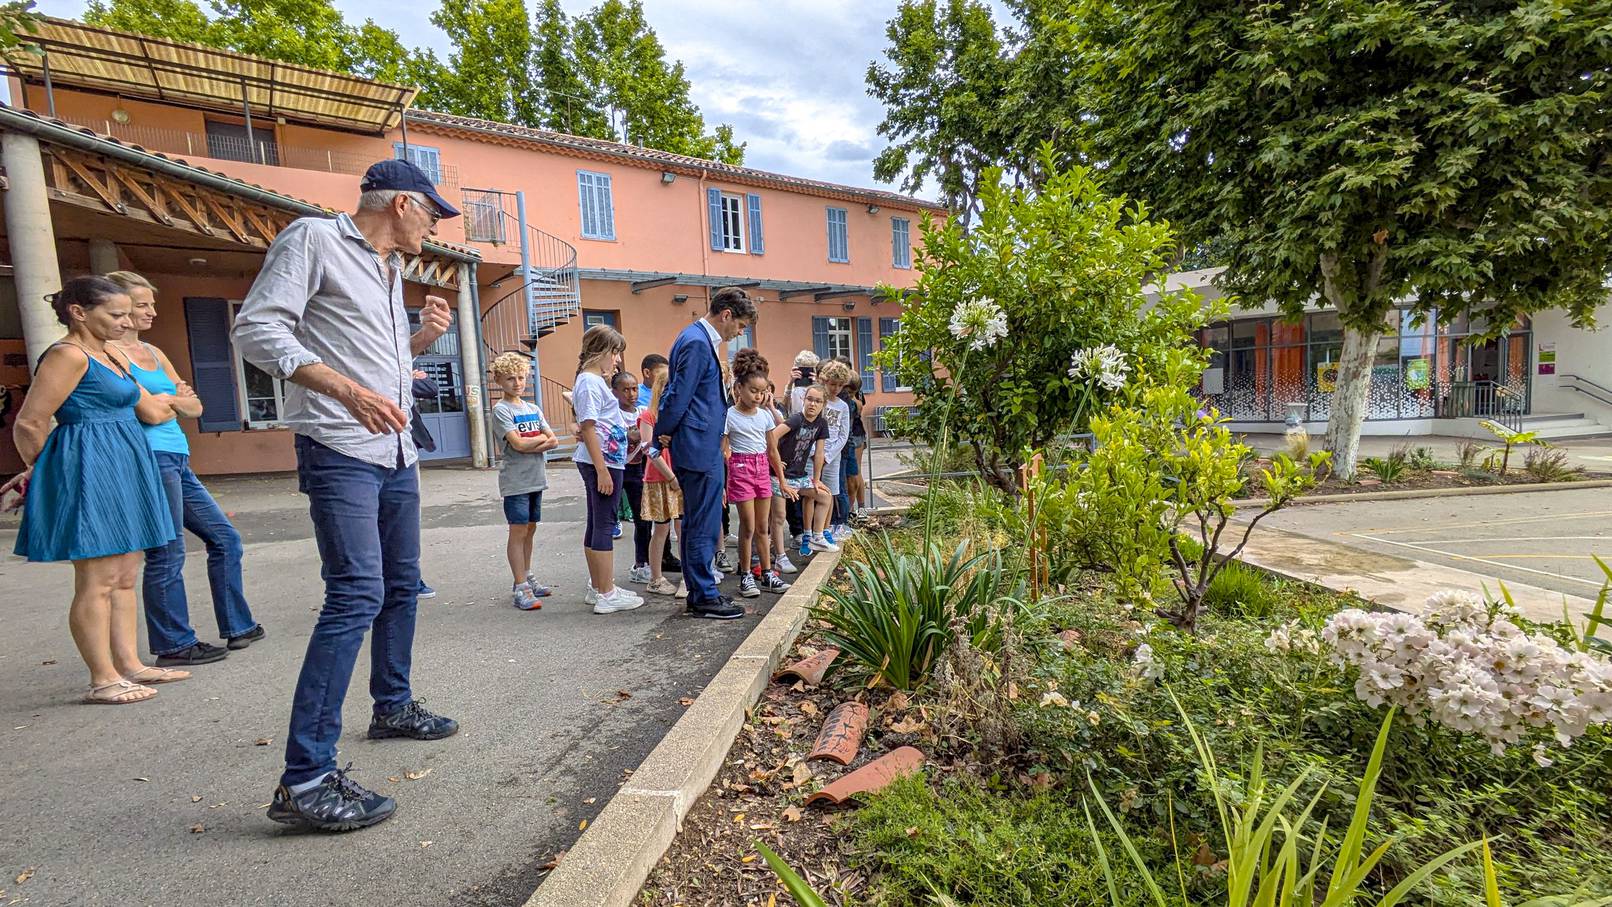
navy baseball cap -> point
(404, 177)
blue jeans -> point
(166, 605)
(702, 526)
(366, 519)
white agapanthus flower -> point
(1104, 364)
(1470, 668)
(981, 322)
(1146, 664)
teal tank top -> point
(167, 437)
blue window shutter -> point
(585, 203)
(900, 242)
(756, 245)
(212, 362)
(607, 207)
(864, 351)
(887, 326)
(713, 201)
(820, 336)
(838, 240)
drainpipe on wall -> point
(470, 365)
(526, 292)
(704, 234)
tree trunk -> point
(1349, 400)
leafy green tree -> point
(623, 66)
(987, 341)
(1365, 153)
(176, 20)
(17, 21)
(569, 106)
(943, 92)
(490, 68)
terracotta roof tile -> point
(657, 158)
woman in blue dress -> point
(94, 495)
(168, 629)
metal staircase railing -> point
(511, 323)
(1588, 388)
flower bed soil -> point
(760, 795)
(1416, 481)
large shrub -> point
(988, 335)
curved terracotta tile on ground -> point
(841, 734)
(809, 670)
(874, 776)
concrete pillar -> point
(470, 362)
(33, 242)
(104, 257)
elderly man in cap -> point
(326, 314)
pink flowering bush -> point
(1467, 666)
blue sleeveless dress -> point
(95, 490)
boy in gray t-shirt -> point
(524, 439)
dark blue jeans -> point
(702, 525)
(366, 520)
(167, 607)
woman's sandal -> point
(157, 675)
(118, 692)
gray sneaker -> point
(523, 598)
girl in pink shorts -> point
(753, 462)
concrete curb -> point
(610, 861)
(1433, 493)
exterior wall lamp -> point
(873, 209)
(667, 177)
(680, 298)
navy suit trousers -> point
(702, 525)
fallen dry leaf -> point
(897, 702)
(393, 778)
(803, 774)
(748, 858)
(590, 800)
(554, 861)
(792, 814)
(196, 798)
(686, 700)
(425, 844)
(738, 819)
(415, 776)
(808, 708)
(50, 662)
(263, 741)
(622, 696)
(912, 831)
(762, 826)
(25, 875)
(910, 725)
(583, 825)
(198, 828)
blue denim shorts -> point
(520, 509)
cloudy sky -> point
(788, 74)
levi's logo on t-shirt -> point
(530, 425)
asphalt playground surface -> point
(1544, 538)
(162, 803)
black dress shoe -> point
(247, 638)
(412, 720)
(670, 564)
(721, 609)
(199, 654)
(337, 803)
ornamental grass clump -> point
(1467, 666)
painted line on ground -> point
(1477, 560)
(1514, 521)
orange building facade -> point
(615, 234)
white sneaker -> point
(662, 586)
(682, 590)
(784, 564)
(821, 544)
(592, 597)
(638, 574)
(617, 599)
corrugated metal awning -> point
(137, 66)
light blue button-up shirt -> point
(323, 296)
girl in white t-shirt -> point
(753, 462)
(601, 458)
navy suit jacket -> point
(694, 406)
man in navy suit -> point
(693, 415)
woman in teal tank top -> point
(167, 607)
(94, 494)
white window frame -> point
(847, 332)
(434, 171)
(240, 385)
(746, 339)
(845, 234)
(734, 217)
